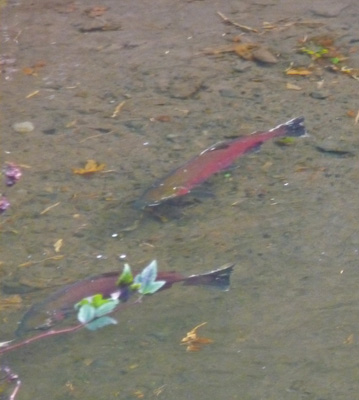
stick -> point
(52, 332)
(242, 27)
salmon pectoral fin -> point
(219, 278)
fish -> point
(210, 161)
(60, 305)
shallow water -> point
(287, 215)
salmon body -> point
(60, 304)
(214, 159)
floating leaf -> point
(106, 308)
(100, 323)
(193, 341)
(96, 301)
(152, 287)
(126, 277)
(91, 167)
(86, 313)
(147, 279)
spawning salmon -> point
(60, 304)
(214, 159)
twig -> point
(52, 332)
(49, 208)
(356, 118)
(230, 22)
(118, 109)
(11, 377)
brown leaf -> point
(245, 50)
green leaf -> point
(87, 300)
(152, 287)
(106, 308)
(146, 280)
(335, 60)
(97, 300)
(86, 313)
(126, 277)
(100, 323)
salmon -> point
(210, 161)
(60, 305)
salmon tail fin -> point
(295, 127)
(219, 278)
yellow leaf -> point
(298, 71)
(193, 341)
(58, 244)
(10, 302)
(91, 167)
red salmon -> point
(214, 159)
(60, 304)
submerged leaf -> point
(302, 71)
(91, 167)
(193, 341)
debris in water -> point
(23, 127)
(193, 341)
(90, 168)
(12, 174)
(4, 204)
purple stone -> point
(4, 204)
(12, 174)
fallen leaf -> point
(245, 50)
(302, 71)
(163, 118)
(90, 168)
(139, 394)
(193, 341)
(349, 339)
(58, 244)
(291, 86)
(351, 113)
(33, 69)
(10, 302)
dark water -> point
(287, 216)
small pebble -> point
(23, 127)
(319, 95)
(241, 66)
